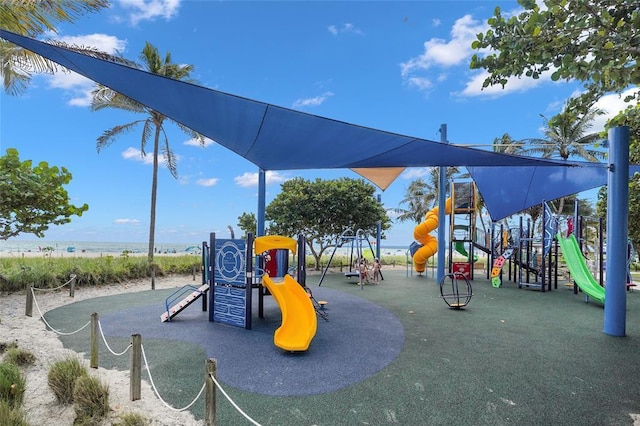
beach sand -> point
(31, 335)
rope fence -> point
(138, 355)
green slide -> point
(459, 246)
(578, 268)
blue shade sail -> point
(277, 138)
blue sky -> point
(396, 66)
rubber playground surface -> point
(392, 353)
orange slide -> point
(422, 235)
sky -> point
(397, 66)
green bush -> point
(10, 416)
(90, 399)
(49, 272)
(12, 385)
(62, 378)
(132, 419)
(5, 346)
(19, 357)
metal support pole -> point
(615, 307)
(442, 194)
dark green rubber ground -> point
(513, 356)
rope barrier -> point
(155, 390)
(57, 288)
(146, 363)
(49, 325)
(109, 347)
(232, 402)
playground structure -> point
(453, 296)
(356, 242)
(427, 244)
(518, 248)
(464, 236)
(229, 280)
(299, 323)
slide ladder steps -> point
(180, 306)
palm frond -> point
(109, 136)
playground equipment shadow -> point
(391, 353)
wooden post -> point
(135, 369)
(72, 286)
(210, 368)
(193, 269)
(29, 306)
(153, 277)
(94, 340)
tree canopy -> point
(33, 197)
(322, 209)
(596, 42)
(32, 18)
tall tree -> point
(421, 195)
(33, 197)
(152, 125)
(248, 223)
(596, 42)
(322, 209)
(32, 18)
(567, 136)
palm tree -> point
(32, 18)
(567, 136)
(420, 195)
(153, 123)
(507, 145)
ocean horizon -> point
(35, 246)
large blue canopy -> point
(277, 138)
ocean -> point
(118, 248)
(93, 247)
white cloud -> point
(207, 182)
(315, 101)
(514, 85)
(127, 221)
(611, 105)
(347, 28)
(415, 172)
(443, 53)
(79, 88)
(196, 142)
(136, 155)
(148, 10)
(248, 180)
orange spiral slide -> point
(422, 235)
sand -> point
(31, 335)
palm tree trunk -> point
(152, 219)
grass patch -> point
(49, 272)
(10, 416)
(63, 376)
(132, 419)
(12, 385)
(90, 400)
(19, 357)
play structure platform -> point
(195, 294)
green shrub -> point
(62, 378)
(12, 385)
(132, 419)
(49, 272)
(5, 346)
(90, 399)
(10, 416)
(19, 357)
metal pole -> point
(615, 307)
(442, 193)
